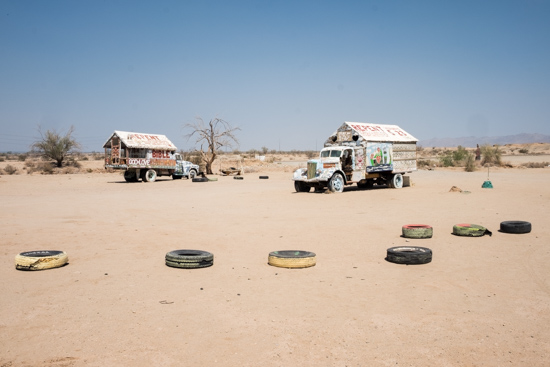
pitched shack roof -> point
(379, 132)
(141, 140)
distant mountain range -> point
(471, 141)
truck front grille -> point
(311, 170)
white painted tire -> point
(150, 175)
(397, 181)
(40, 260)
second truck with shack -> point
(361, 153)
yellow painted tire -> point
(292, 259)
(40, 260)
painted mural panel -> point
(379, 157)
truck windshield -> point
(330, 153)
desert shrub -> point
(72, 162)
(460, 154)
(22, 157)
(10, 170)
(421, 163)
(446, 159)
(491, 155)
(524, 151)
(89, 170)
(84, 158)
(311, 154)
(469, 163)
(29, 163)
(2, 159)
(45, 168)
(536, 164)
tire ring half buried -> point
(409, 255)
(417, 231)
(470, 230)
(292, 259)
(189, 259)
(40, 260)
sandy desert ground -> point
(480, 302)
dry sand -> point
(480, 302)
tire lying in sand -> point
(40, 260)
(264, 177)
(409, 255)
(199, 179)
(237, 177)
(189, 259)
(292, 259)
(515, 226)
(470, 230)
(417, 231)
(212, 179)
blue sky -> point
(288, 73)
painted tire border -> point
(292, 259)
(417, 231)
(409, 255)
(41, 260)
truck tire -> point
(130, 176)
(515, 226)
(176, 177)
(192, 174)
(264, 177)
(150, 176)
(199, 179)
(470, 230)
(189, 259)
(40, 260)
(396, 181)
(300, 186)
(291, 259)
(336, 183)
(409, 255)
(417, 231)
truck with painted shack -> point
(362, 153)
(146, 156)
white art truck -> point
(361, 153)
(146, 156)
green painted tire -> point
(470, 230)
(417, 231)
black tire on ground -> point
(300, 186)
(189, 259)
(40, 260)
(470, 230)
(336, 183)
(515, 226)
(409, 255)
(176, 177)
(199, 179)
(292, 259)
(264, 177)
(417, 231)
(237, 177)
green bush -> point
(491, 155)
(446, 159)
(460, 154)
(470, 163)
(524, 151)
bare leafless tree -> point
(53, 145)
(212, 136)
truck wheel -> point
(40, 260)
(150, 175)
(396, 181)
(192, 174)
(176, 177)
(336, 183)
(291, 259)
(130, 176)
(300, 186)
(189, 259)
(409, 255)
(515, 226)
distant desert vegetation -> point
(533, 155)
